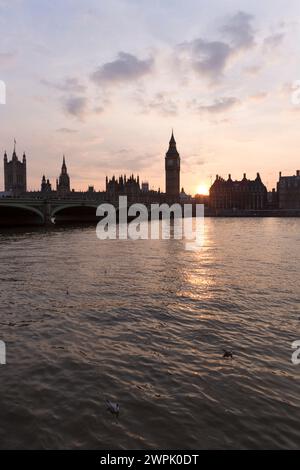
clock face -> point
(170, 163)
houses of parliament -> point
(225, 195)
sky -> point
(104, 83)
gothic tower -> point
(15, 174)
(63, 182)
(172, 169)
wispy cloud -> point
(125, 159)
(209, 58)
(239, 31)
(71, 84)
(75, 106)
(126, 68)
(259, 96)
(252, 69)
(220, 105)
(273, 41)
(66, 130)
(160, 103)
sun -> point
(203, 189)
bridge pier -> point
(47, 213)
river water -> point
(144, 323)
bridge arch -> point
(70, 206)
(81, 212)
(17, 214)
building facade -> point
(15, 174)
(238, 195)
(172, 170)
(288, 190)
(123, 186)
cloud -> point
(123, 160)
(99, 110)
(75, 106)
(210, 58)
(193, 159)
(66, 130)
(71, 84)
(73, 101)
(159, 103)
(131, 162)
(220, 105)
(239, 31)
(273, 41)
(125, 68)
(259, 96)
(253, 69)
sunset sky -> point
(104, 82)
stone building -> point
(288, 190)
(15, 174)
(238, 195)
(123, 186)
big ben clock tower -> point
(172, 168)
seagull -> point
(114, 408)
(227, 354)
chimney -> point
(280, 174)
(298, 172)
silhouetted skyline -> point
(104, 83)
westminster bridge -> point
(45, 211)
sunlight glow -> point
(203, 189)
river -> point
(144, 323)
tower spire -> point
(64, 166)
(172, 140)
